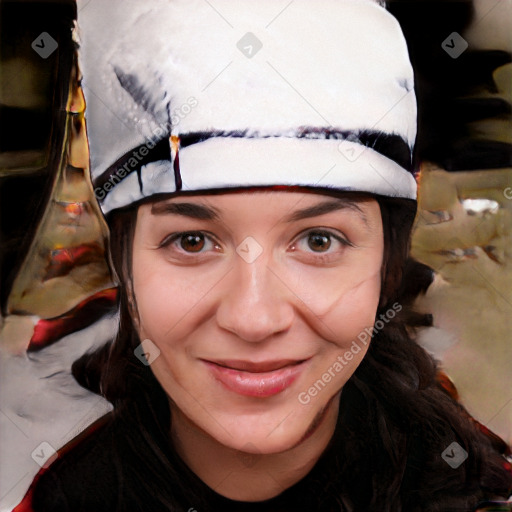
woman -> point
(260, 193)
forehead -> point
(288, 205)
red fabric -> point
(447, 385)
(497, 442)
(84, 314)
(25, 504)
(62, 261)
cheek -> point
(343, 311)
(165, 295)
(340, 302)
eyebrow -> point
(192, 210)
(326, 207)
(203, 212)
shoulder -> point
(82, 477)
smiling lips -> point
(256, 379)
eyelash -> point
(318, 257)
(323, 257)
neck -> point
(244, 476)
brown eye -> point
(319, 242)
(320, 246)
(192, 242)
(189, 245)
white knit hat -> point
(191, 95)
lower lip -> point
(259, 385)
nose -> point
(256, 304)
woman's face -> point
(258, 303)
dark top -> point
(92, 475)
(85, 478)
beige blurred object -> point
(471, 297)
(497, 129)
(15, 332)
(72, 221)
(464, 232)
(20, 87)
(491, 28)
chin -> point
(271, 434)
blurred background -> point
(57, 297)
